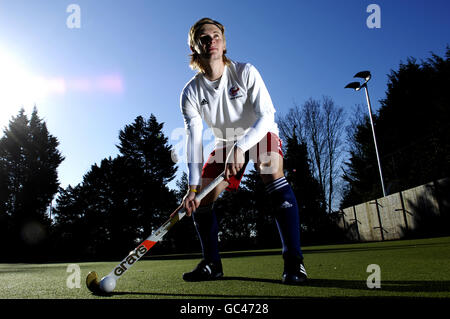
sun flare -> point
(19, 87)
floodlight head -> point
(353, 85)
(363, 75)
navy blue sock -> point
(286, 216)
(205, 221)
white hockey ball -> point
(107, 284)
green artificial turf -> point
(408, 268)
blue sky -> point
(130, 58)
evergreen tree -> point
(309, 194)
(413, 133)
(413, 123)
(144, 143)
(183, 238)
(29, 159)
(236, 216)
(145, 149)
(182, 187)
(264, 231)
(122, 200)
(72, 235)
(361, 172)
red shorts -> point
(215, 164)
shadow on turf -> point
(387, 285)
(306, 250)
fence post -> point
(356, 223)
(379, 220)
(404, 211)
(436, 193)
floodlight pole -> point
(374, 137)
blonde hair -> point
(193, 42)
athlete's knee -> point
(270, 164)
(212, 196)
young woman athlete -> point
(232, 99)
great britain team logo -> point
(234, 90)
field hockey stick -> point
(108, 283)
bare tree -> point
(292, 123)
(321, 124)
(334, 138)
(315, 134)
